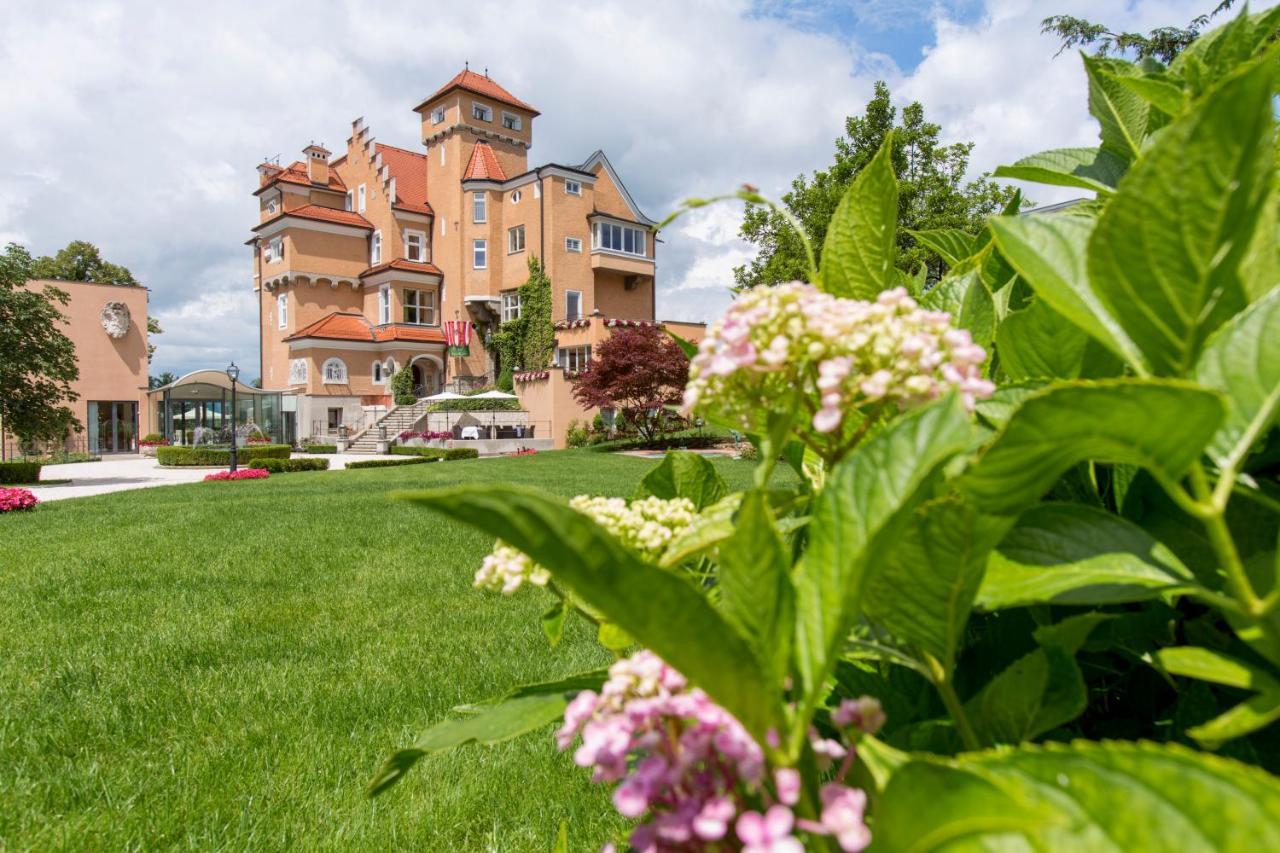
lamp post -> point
(233, 373)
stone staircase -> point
(397, 420)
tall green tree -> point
(1162, 43)
(39, 362)
(933, 193)
(80, 260)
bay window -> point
(613, 237)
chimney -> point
(317, 163)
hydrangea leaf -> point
(1106, 421)
(1122, 115)
(951, 244)
(1242, 360)
(1087, 168)
(682, 474)
(553, 622)
(1109, 796)
(660, 609)
(1203, 664)
(1038, 343)
(858, 254)
(1061, 553)
(1166, 254)
(755, 584)
(868, 498)
(925, 588)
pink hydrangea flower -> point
(842, 816)
(769, 832)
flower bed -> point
(241, 474)
(532, 376)
(17, 500)
(427, 435)
(205, 456)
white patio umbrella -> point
(494, 395)
(443, 396)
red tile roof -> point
(347, 326)
(322, 214)
(296, 173)
(484, 165)
(481, 85)
(402, 264)
(409, 168)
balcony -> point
(604, 259)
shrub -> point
(748, 451)
(402, 387)
(20, 472)
(577, 435)
(454, 453)
(182, 456)
(425, 452)
(389, 463)
(59, 457)
(17, 500)
(239, 474)
(688, 439)
(467, 404)
(320, 448)
(290, 466)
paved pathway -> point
(119, 473)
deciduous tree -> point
(635, 371)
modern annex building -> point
(360, 260)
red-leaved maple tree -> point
(637, 370)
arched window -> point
(334, 372)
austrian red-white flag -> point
(457, 334)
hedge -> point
(320, 448)
(289, 466)
(20, 472)
(431, 453)
(673, 441)
(470, 404)
(389, 463)
(461, 453)
(181, 456)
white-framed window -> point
(415, 246)
(282, 311)
(349, 201)
(375, 249)
(510, 305)
(573, 304)
(420, 307)
(515, 196)
(515, 239)
(384, 305)
(479, 254)
(480, 112)
(297, 371)
(572, 187)
(379, 373)
(573, 244)
(511, 121)
(334, 372)
(273, 251)
(437, 115)
(618, 238)
(335, 419)
(360, 199)
(479, 207)
(574, 358)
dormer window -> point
(511, 121)
(415, 246)
(480, 112)
(437, 115)
(572, 187)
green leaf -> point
(867, 499)
(1107, 421)
(1159, 91)
(755, 584)
(660, 609)
(1049, 253)
(1087, 168)
(562, 838)
(1166, 254)
(682, 474)
(1122, 114)
(926, 586)
(1038, 692)
(1038, 343)
(1109, 796)
(1256, 712)
(614, 638)
(689, 348)
(964, 295)
(553, 621)
(951, 244)
(996, 410)
(1071, 554)
(1242, 360)
(858, 254)
(1209, 665)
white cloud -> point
(138, 125)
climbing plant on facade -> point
(526, 342)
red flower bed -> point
(257, 439)
(13, 500)
(430, 435)
(242, 474)
(164, 442)
(524, 451)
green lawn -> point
(225, 665)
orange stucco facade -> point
(360, 258)
(111, 352)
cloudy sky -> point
(138, 125)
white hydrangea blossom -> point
(645, 525)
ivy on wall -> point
(528, 340)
